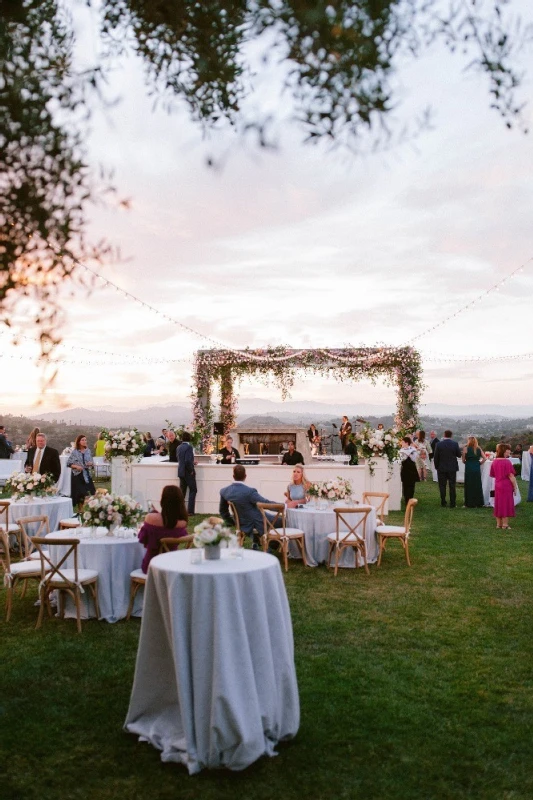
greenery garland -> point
(398, 365)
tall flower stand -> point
(121, 476)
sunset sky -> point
(303, 247)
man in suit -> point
(344, 433)
(43, 459)
(186, 471)
(445, 459)
(245, 499)
(6, 448)
(433, 442)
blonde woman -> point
(296, 493)
(472, 457)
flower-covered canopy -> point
(398, 365)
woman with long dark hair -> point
(408, 471)
(170, 522)
(80, 461)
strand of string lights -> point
(96, 363)
(447, 359)
(494, 288)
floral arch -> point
(401, 366)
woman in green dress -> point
(473, 458)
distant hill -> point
(146, 419)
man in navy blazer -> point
(186, 471)
(245, 499)
(445, 459)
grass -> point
(414, 683)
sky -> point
(301, 246)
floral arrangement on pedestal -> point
(112, 511)
(398, 365)
(30, 484)
(373, 444)
(128, 444)
(211, 532)
(338, 489)
(179, 430)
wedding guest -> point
(345, 431)
(408, 471)
(530, 493)
(245, 499)
(229, 453)
(445, 459)
(80, 462)
(43, 459)
(433, 442)
(422, 459)
(170, 522)
(149, 444)
(296, 493)
(312, 433)
(31, 441)
(505, 486)
(518, 451)
(351, 450)
(6, 448)
(186, 471)
(99, 445)
(172, 446)
(161, 447)
(292, 456)
(473, 458)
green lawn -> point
(414, 683)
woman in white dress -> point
(423, 450)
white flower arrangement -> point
(338, 489)
(128, 444)
(377, 443)
(210, 532)
(30, 484)
(110, 510)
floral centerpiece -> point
(209, 534)
(128, 444)
(338, 489)
(112, 511)
(373, 444)
(30, 484)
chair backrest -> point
(409, 511)
(5, 559)
(170, 543)
(235, 515)
(355, 525)
(276, 521)
(4, 514)
(378, 500)
(42, 530)
(55, 572)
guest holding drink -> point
(408, 471)
(171, 522)
(505, 486)
(80, 461)
(472, 457)
(296, 493)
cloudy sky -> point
(304, 247)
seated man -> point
(292, 456)
(228, 452)
(43, 459)
(245, 499)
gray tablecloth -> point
(114, 558)
(317, 524)
(215, 682)
(56, 509)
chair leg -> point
(285, 552)
(365, 562)
(381, 544)
(41, 609)
(61, 599)
(78, 608)
(301, 542)
(337, 551)
(96, 603)
(331, 546)
(24, 587)
(9, 601)
(406, 547)
(133, 592)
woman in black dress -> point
(408, 472)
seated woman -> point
(296, 493)
(171, 522)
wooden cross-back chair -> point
(275, 530)
(21, 572)
(29, 550)
(11, 528)
(353, 537)
(380, 499)
(58, 577)
(400, 532)
(69, 523)
(240, 533)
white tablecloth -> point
(114, 558)
(63, 484)
(215, 683)
(317, 524)
(8, 468)
(526, 466)
(487, 484)
(55, 508)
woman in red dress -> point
(505, 486)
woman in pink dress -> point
(505, 486)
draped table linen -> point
(63, 484)
(487, 484)
(316, 524)
(215, 683)
(55, 508)
(526, 466)
(114, 557)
